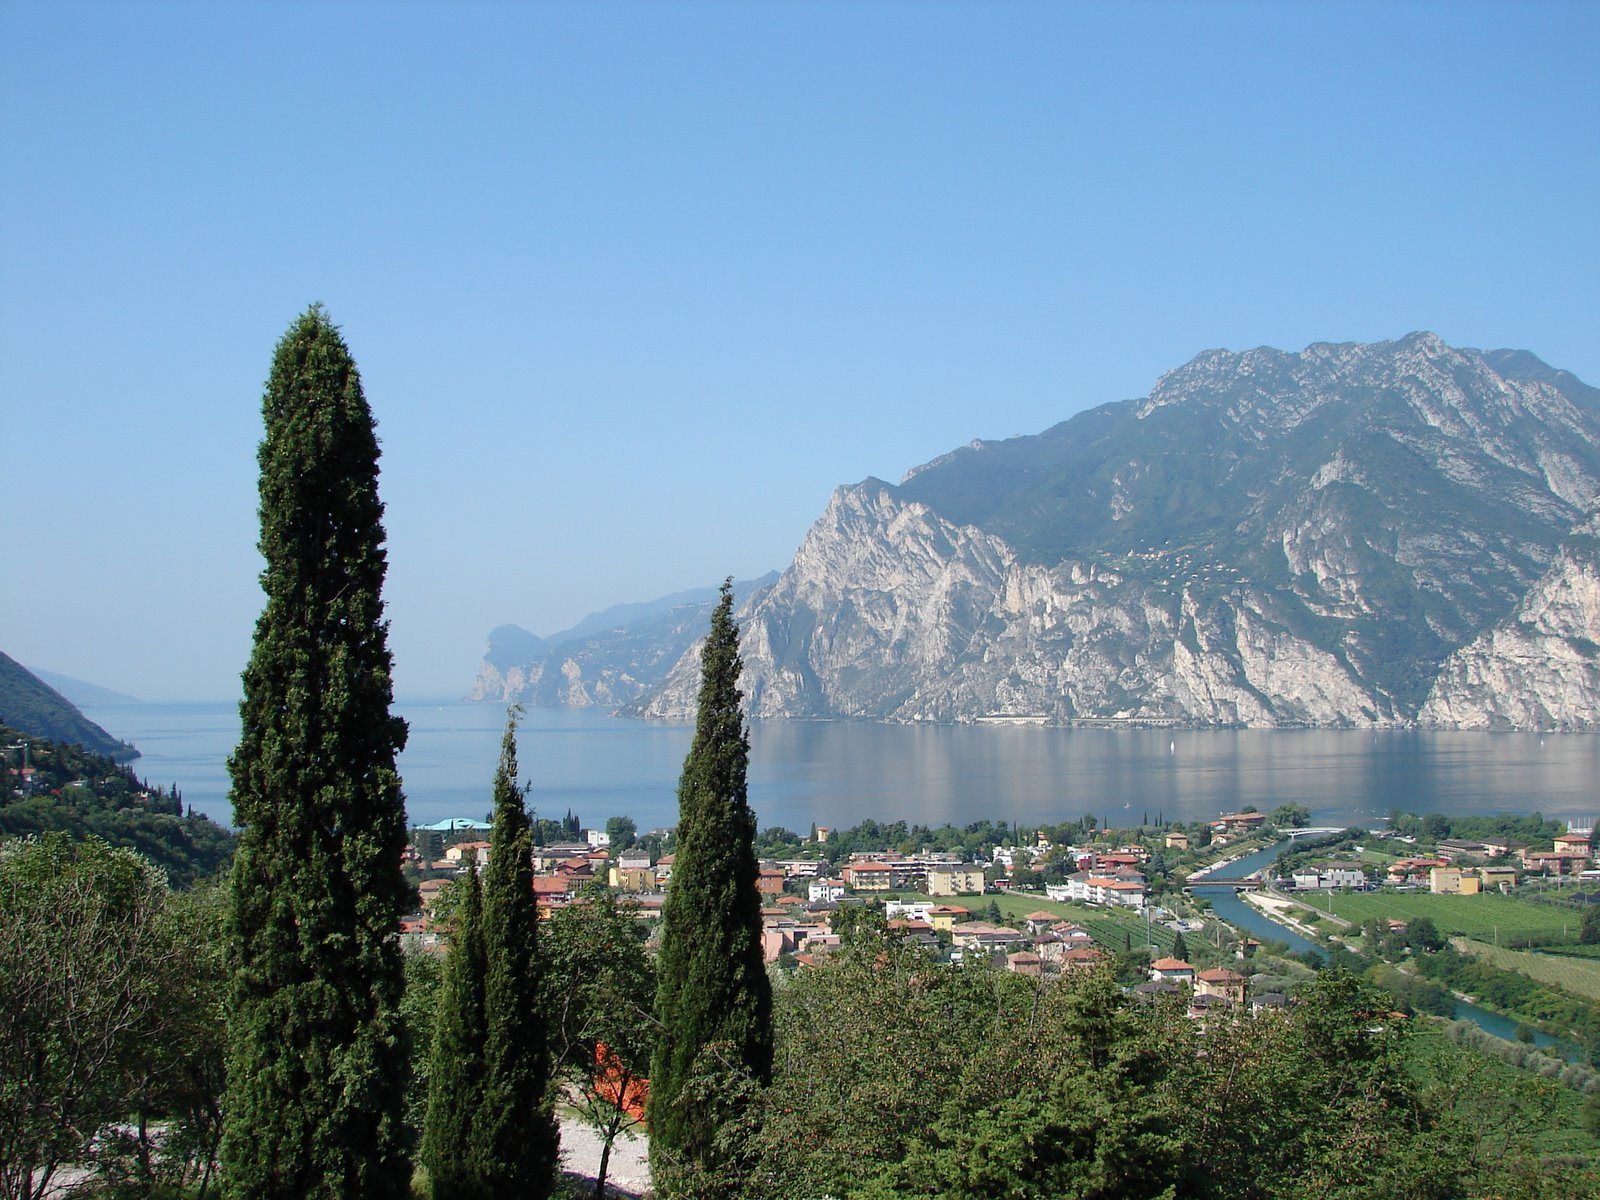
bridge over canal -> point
(1244, 875)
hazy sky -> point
(633, 287)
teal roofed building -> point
(429, 842)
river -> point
(1227, 905)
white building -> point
(827, 891)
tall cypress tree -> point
(712, 987)
(515, 1137)
(455, 1068)
(317, 1048)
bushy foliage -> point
(110, 1015)
(599, 983)
(973, 839)
(1531, 828)
(896, 1076)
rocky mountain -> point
(1539, 668)
(1267, 538)
(610, 658)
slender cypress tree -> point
(712, 986)
(317, 1057)
(455, 1069)
(1180, 948)
(515, 1137)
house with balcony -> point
(983, 936)
(633, 879)
(826, 891)
(869, 876)
(963, 879)
(947, 916)
(1452, 881)
(1239, 824)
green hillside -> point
(50, 786)
(31, 705)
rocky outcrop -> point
(608, 660)
(891, 613)
(608, 668)
(1540, 667)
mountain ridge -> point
(1266, 538)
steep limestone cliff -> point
(1540, 667)
(891, 613)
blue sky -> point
(633, 287)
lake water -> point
(839, 773)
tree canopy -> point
(713, 999)
(318, 1053)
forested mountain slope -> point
(46, 786)
(30, 704)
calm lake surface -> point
(841, 773)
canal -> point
(1227, 906)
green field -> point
(1481, 917)
(1574, 951)
(1580, 976)
(1111, 927)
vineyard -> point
(1484, 918)
(1577, 975)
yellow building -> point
(955, 881)
(947, 916)
(1453, 881)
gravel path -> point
(628, 1171)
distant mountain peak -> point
(608, 659)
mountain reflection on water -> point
(840, 773)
